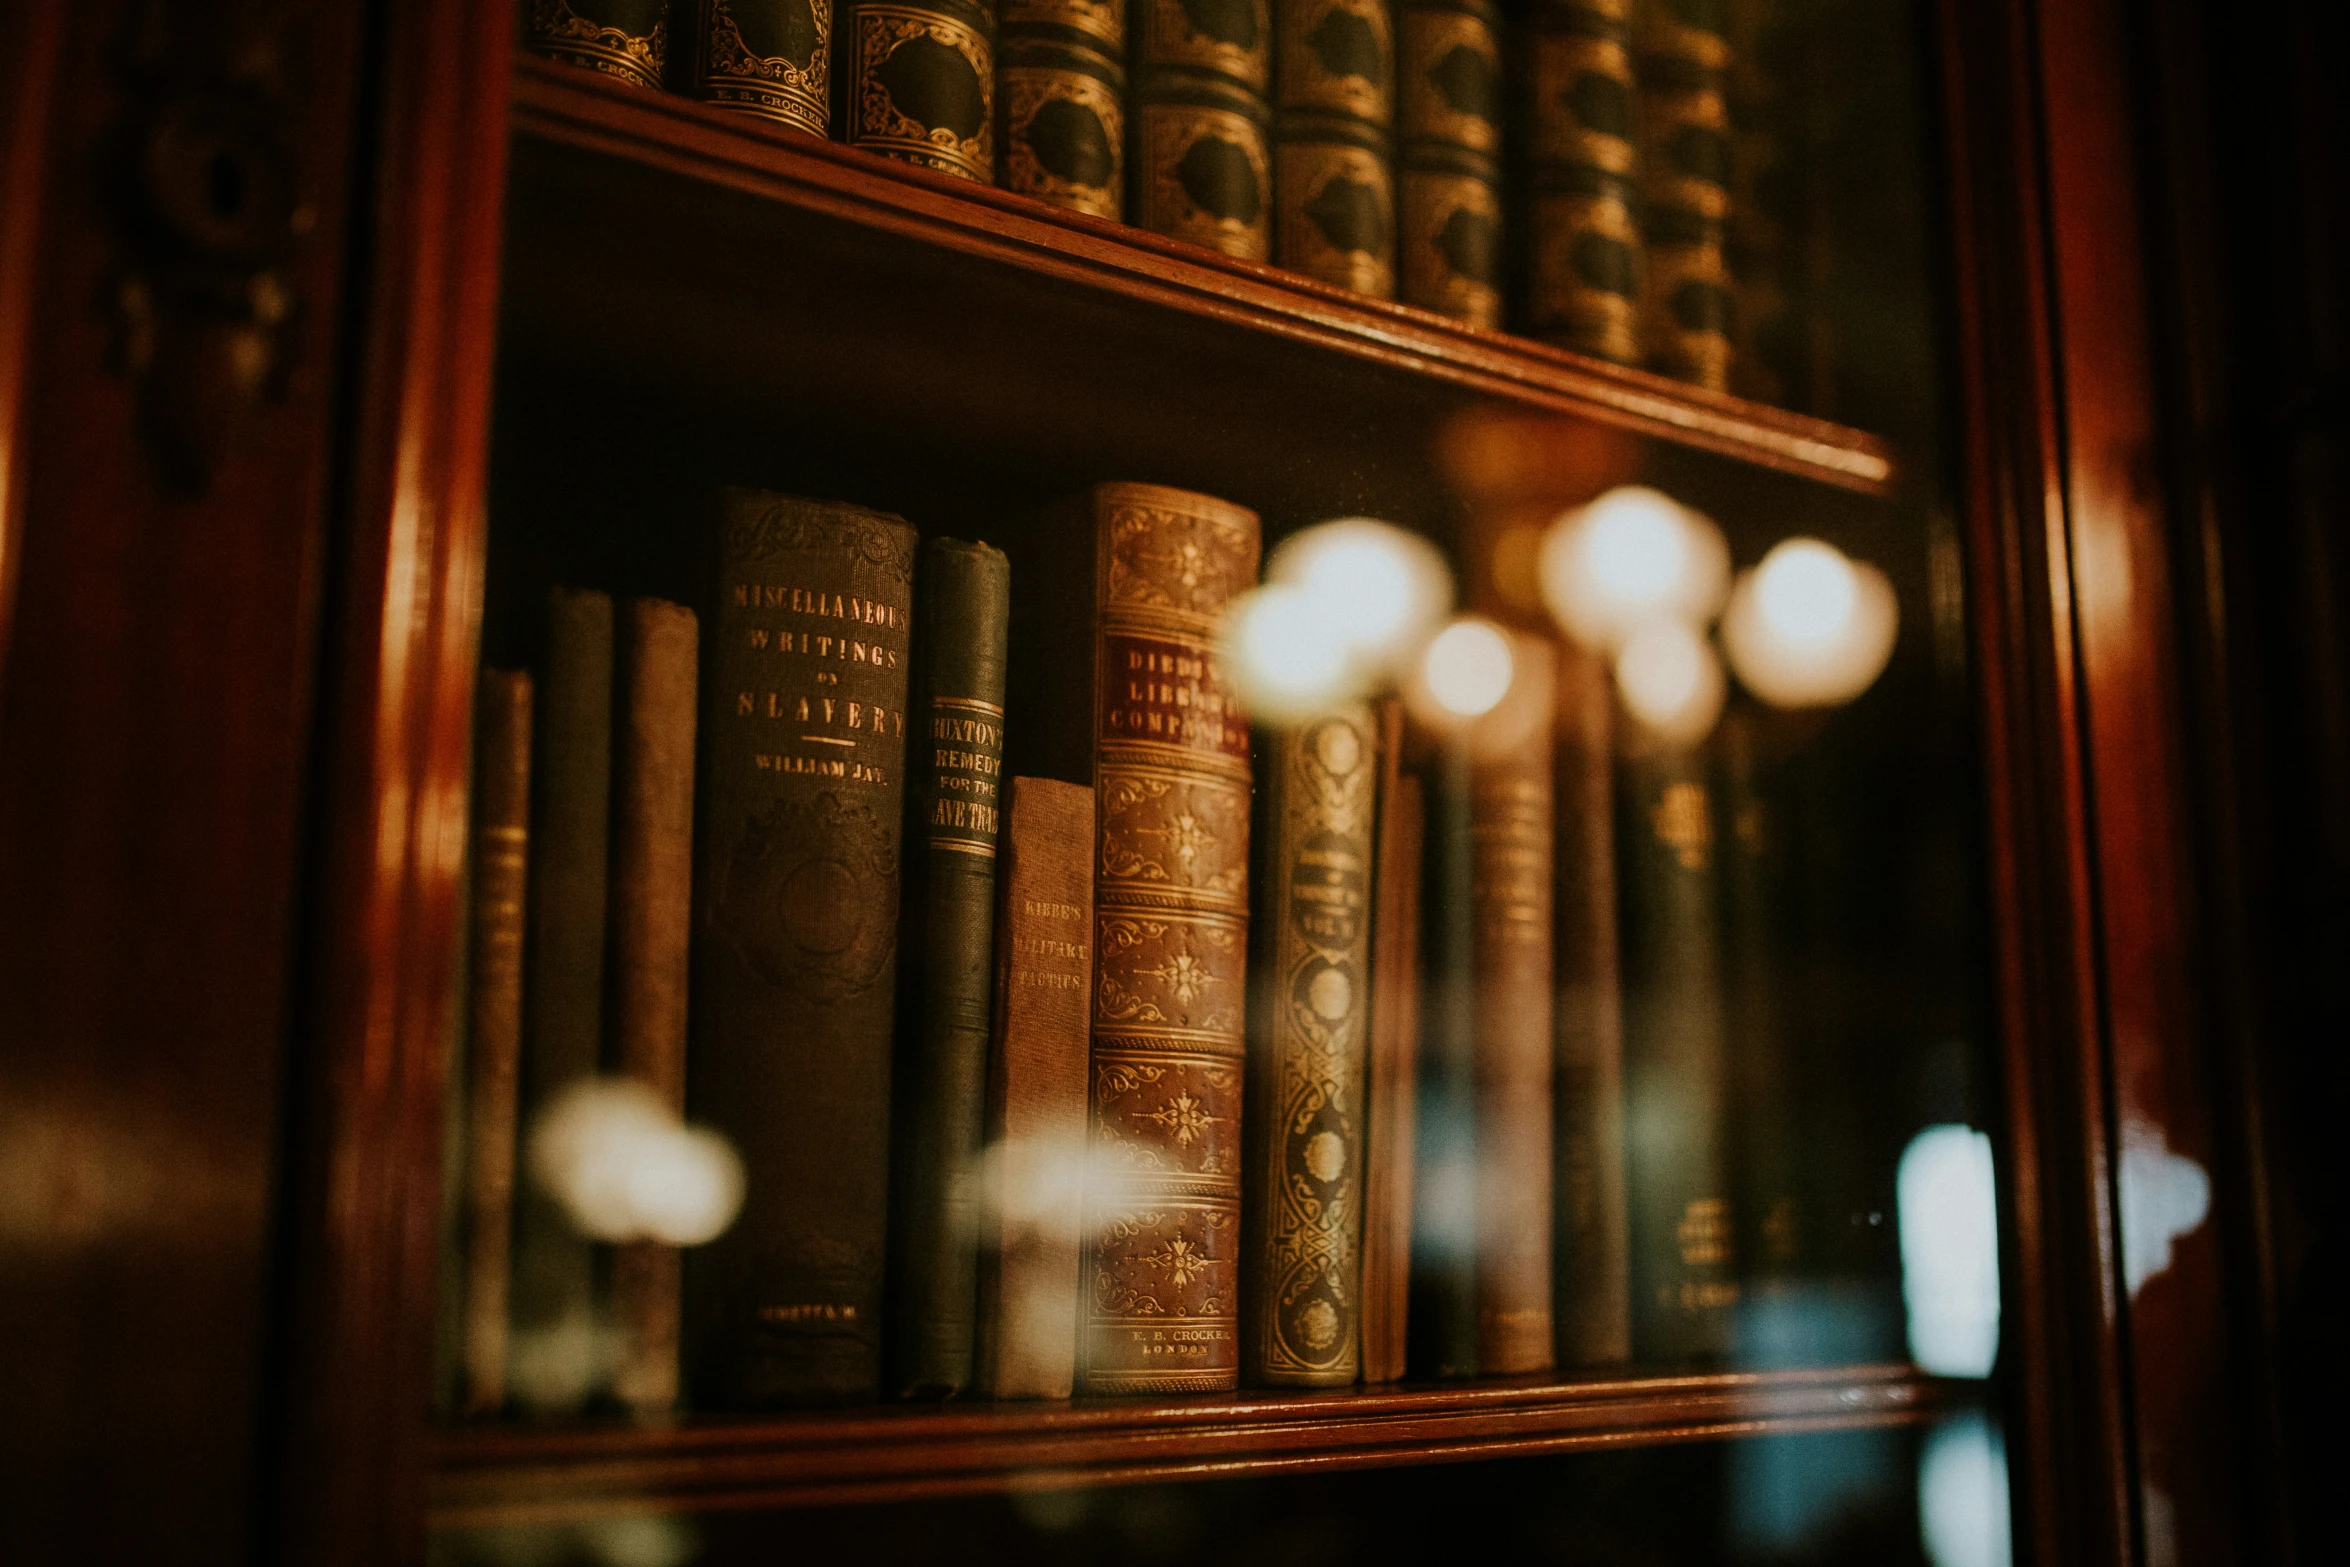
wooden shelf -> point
(508, 1474)
(732, 256)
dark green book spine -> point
(1333, 155)
(956, 764)
(627, 39)
(1684, 1264)
(803, 745)
(1583, 283)
(1679, 55)
(1441, 1328)
(1200, 160)
(563, 974)
(772, 58)
(1061, 98)
(1448, 187)
(917, 83)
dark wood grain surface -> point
(517, 1474)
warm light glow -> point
(1631, 557)
(1810, 627)
(1467, 668)
(1947, 1200)
(625, 1168)
(1384, 586)
(1671, 681)
(1286, 653)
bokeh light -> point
(1671, 681)
(1632, 557)
(1467, 668)
(624, 1167)
(1810, 627)
(1389, 587)
(1286, 652)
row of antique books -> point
(1640, 185)
(1070, 1033)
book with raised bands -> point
(794, 941)
(1036, 1093)
(1202, 162)
(1310, 990)
(624, 39)
(1061, 97)
(1334, 170)
(500, 875)
(1680, 53)
(772, 58)
(651, 918)
(1583, 291)
(956, 771)
(1448, 185)
(1117, 679)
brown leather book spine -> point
(772, 58)
(651, 919)
(1036, 1093)
(802, 750)
(1583, 291)
(1333, 157)
(1201, 165)
(1592, 1234)
(624, 39)
(1061, 95)
(1448, 187)
(1684, 122)
(1510, 890)
(501, 869)
(1171, 770)
(917, 83)
(1310, 992)
(1394, 1064)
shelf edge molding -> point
(509, 1475)
(567, 106)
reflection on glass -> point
(1671, 681)
(1949, 1215)
(1962, 1495)
(1467, 669)
(1809, 627)
(1633, 556)
(2164, 1196)
(625, 1168)
(1345, 606)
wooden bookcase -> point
(254, 536)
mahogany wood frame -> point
(357, 501)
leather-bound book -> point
(772, 58)
(652, 916)
(563, 968)
(1117, 682)
(1441, 1330)
(1394, 1062)
(501, 865)
(1592, 1297)
(955, 772)
(1310, 997)
(628, 39)
(803, 746)
(1679, 57)
(1061, 98)
(1683, 1239)
(1583, 282)
(1765, 338)
(1036, 1093)
(1771, 1154)
(1510, 893)
(1333, 156)
(1448, 127)
(917, 83)
(1201, 163)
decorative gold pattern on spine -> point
(1170, 939)
(1448, 121)
(1304, 1228)
(1337, 213)
(791, 84)
(1584, 278)
(1338, 56)
(1233, 41)
(1206, 176)
(923, 85)
(1450, 228)
(630, 45)
(1685, 197)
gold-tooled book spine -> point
(1448, 126)
(1061, 103)
(1200, 166)
(1334, 164)
(1583, 283)
(1511, 854)
(1171, 781)
(501, 869)
(1394, 1059)
(1764, 363)
(624, 39)
(1685, 200)
(1310, 986)
(651, 933)
(918, 81)
(772, 58)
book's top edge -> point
(1172, 499)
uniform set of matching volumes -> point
(1072, 1035)
(1638, 184)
